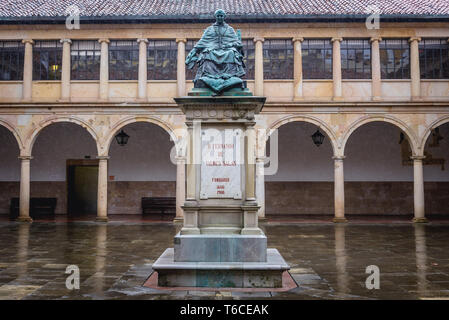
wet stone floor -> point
(328, 261)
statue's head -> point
(220, 15)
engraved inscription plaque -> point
(221, 163)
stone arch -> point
(133, 119)
(45, 123)
(428, 131)
(15, 133)
(302, 118)
(410, 135)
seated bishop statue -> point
(219, 56)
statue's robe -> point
(219, 58)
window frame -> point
(53, 53)
(384, 69)
(172, 59)
(89, 72)
(129, 72)
(285, 66)
(443, 71)
(6, 68)
(327, 68)
(347, 48)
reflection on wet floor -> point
(328, 261)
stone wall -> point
(395, 198)
(124, 197)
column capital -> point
(296, 39)
(30, 41)
(142, 40)
(414, 39)
(338, 158)
(258, 39)
(260, 159)
(25, 157)
(374, 39)
(103, 158)
(337, 39)
(104, 40)
(180, 159)
(65, 41)
(417, 158)
(181, 40)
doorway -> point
(82, 187)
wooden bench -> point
(39, 207)
(164, 207)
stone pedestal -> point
(220, 243)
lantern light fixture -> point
(122, 138)
(318, 138)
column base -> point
(376, 98)
(178, 220)
(101, 219)
(262, 219)
(420, 220)
(339, 220)
(24, 219)
(251, 231)
(337, 99)
(185, 231)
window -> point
(278, 59)
(355, 59)
(316, 59)
(11, 60)
(190, 73)
(434, 58)
(248, 50)
(85, 60)
(162, 59)
(395, 59)
(47, 60)
(123, 60)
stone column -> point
(65, 72)
(297, 69)
(376, 80)
(104, 70)
(258, 66)
(418, 189)
(190, 225)
(339, 189)
(191, 165)
(260, 187)
(102, 202)
(24, 202)
(180, 187)
(27, 90)
(414, 68)
(142, 86)
(250, 163)
(181, 69)
(336, 68)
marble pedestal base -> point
(221, 274)
(220, 248)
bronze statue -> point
(219, 56)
